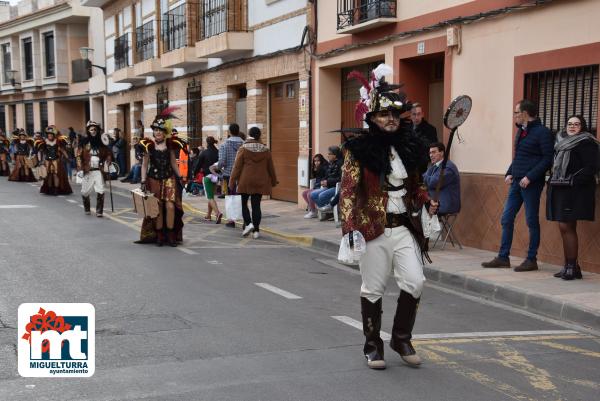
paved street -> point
(227, 318)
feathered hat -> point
(93, 124)
(164, 121)
(377, 95)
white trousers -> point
(396, 253)
(92, 180)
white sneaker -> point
(326, 208)
(256, 235)
(311, 215)
(248, 230)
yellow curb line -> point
(297, 239)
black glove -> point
(143, 186)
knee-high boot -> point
(99, 205)
(371, 317)
(86, 204)
(404, 321)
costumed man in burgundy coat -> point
(381, 193)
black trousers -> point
(256, 213)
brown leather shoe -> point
(497, 262)
(527, 266)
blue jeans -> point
(530, 196)
(322, 196)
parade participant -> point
(4, 149)
(380, 195)
(53, 151)
(93, 161)
(23, 167)
(160, 176)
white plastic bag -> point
(431, 224)
(351, 254)
(233, 207)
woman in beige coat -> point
(255, 176)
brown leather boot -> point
(171, 238)
(497, 262)
(404, 321)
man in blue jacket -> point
(534, 152)
(449, 196)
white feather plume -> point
(364, 93)
(382, 70)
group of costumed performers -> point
(381, 200)
(160, 176)
(24, 162)
(4, 149)
(52, 151)
(93, 161)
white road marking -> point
(71, 201)
(17, 206)
(278, 291)
(188, 251)
(477, 334)
(358, 325)
(61, 196)
(213, 262)
(81, 206)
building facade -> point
(497, 52)
(219, 62)
(44, 81)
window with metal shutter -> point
(564, 92)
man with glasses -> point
(424, 130)
(534, 152)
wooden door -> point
(284, 129)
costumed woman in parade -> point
(160, 176)
(23, 146)
(4, 149)
(381, 194)
(52, 151)
(93, 161)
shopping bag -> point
(233, 207)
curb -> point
(529, 301)
(505, 294)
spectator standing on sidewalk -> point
(254, 174)
(227, 154)
(322, 196)
(449, 197)
(571, 193)
(207, 158)
(320, 166)
(424, 130)
(526, 174)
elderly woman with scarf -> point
(571, 189)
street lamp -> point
(86, 54)
(11, 76)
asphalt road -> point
(207, 321)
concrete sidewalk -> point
(575, 301)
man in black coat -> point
(424, 130)
(534, 152)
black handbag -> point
(564, 182)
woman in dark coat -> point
(571, 194)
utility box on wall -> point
(303, 172)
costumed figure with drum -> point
(24, 161)
(52, 151)
(381, 202)
(4, 149)
(93, 161)
(161, 178)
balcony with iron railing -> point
(123, 71)
(174, 37)
(223, 29)
(359, 15)
(146, 64)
